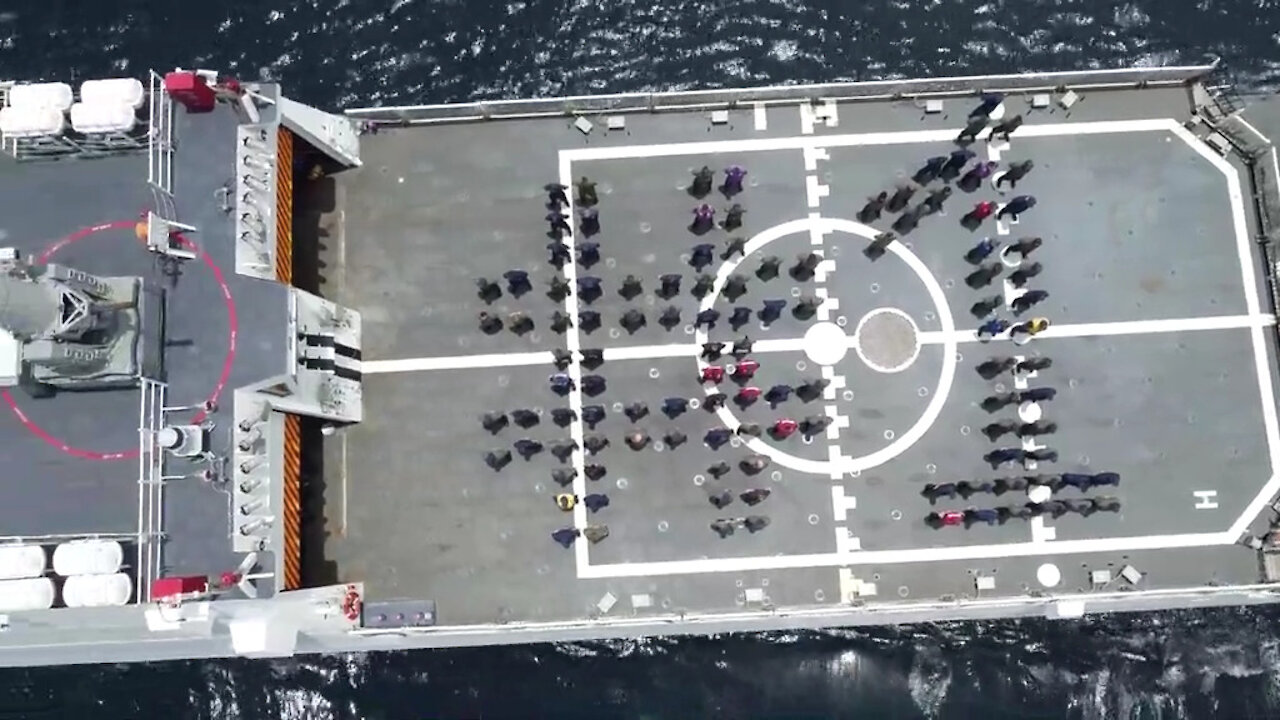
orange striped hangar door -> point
(284, 205)
(292, 515)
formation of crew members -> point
(1056, 506)
(728, 378)
(1001, 313)
(935, 181)
(735, 375)
(667, 286)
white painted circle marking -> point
(825, 343)
(857, 340)
(950, 348)
(1010, 260)
(1049, 575)
(1029, 412)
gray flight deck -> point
(1138, 227)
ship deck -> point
(74, 458)
(1161, 350)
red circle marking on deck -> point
(227, 361)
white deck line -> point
(1130, 327)
(912, 555)
(573, 342)
(798, 142)
(927, 337)
(1244, 248)
(457, 362)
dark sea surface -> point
(334, 53)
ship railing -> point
(898, 89)
(1262, 162)
(160, 136)
(150, 543)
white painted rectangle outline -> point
(1255, 321)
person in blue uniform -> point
(1001, 456)
(956, 162)
(527, 448)
(927, 173)
(565, 536)
(716, 438)
(556, 197)
(558, 254)
(588, 321)
(1040, 394)
(772, 310)
(524, 417)
(983, 515)
(993, 327)
(702, 255)
(561, 383)
(593, 415)
(777, 395)
(1110, 479)
(1028, 300)
(990, 101)
(1079, 481)
(593, 385)
(670, 286)
(559, 224)
(588, 253)
(589, 221)
(706, 318)
(1017, 206)
(517, 282)
(596, 502)
(589, 288)
(674, 406)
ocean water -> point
(334, 53)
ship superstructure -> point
(277, 380)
